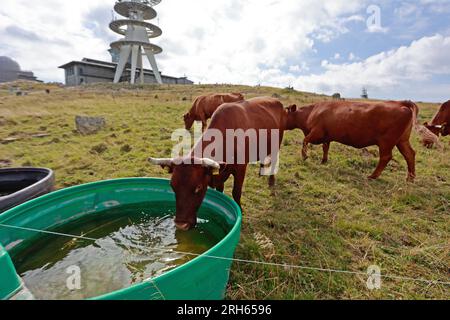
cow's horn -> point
(161, 162)
(210, 163)
(439, 127)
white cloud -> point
(227, 41)
(55, 30)
(240, 39)
(210, 41)
(437, 6)
(407, 9)
(398, 73)
(299, 68)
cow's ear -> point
(292, 108)
(426, 124)
(216, 172)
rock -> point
(10, 140)
(89, 125)
(41, 135)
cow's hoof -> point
(324, 162)
(372, 177)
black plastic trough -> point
(18, 185)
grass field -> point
(322, 216)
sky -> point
(396, 49)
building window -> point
(70, 71)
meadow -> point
(324, 216)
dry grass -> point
(323, 216)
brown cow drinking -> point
(441, 121)
(205, 106)
(360, 125)
(191, 175)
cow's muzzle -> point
(183, 226)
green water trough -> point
(202, 278)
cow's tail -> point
(421, 130)
(415, 110)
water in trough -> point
(119, 258)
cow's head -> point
(291, 117)
(190, 180)
(292, 108)
(239, 96)
(438, 129)
(188, 121)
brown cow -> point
(192, 175)
(360, 125)
(441, 121)
(205, 106)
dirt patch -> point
(126, 148)
(99, 149)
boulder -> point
(89, 125)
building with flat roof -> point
(88, 71)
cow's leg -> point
(313, 136)
(272, 181)
(204, 125)
(239, 178)
(220, 186)
(268, 164)
(218, 181)
(326, 149)
(410, 156)
(385, 158)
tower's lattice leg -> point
(134, 60)
(151, 58)
(141, 66)
(136, 43)
(124, 54)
